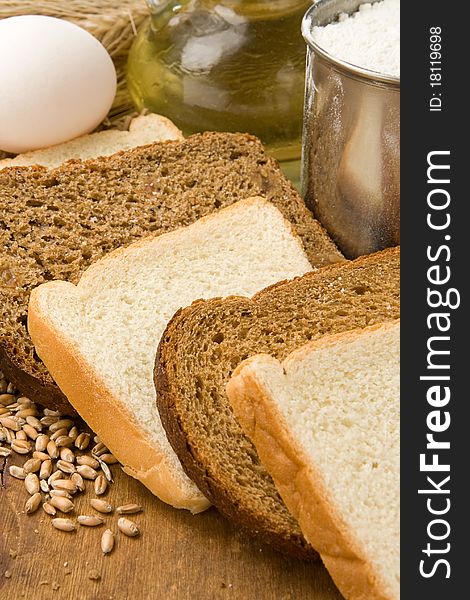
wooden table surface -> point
(178, 556)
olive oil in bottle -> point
(226, 65)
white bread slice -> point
(99, 339)
(325, 423)
(144, 129)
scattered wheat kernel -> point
(128, 509)
(63, 524)
(33, 503)
(107, 541)
(101, 506)
(127, 527)
(90, 520)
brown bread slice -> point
(55, 223)
(204, 343)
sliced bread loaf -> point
(55, 223)
(325, 423)
(204, 343)
(99, 338)
(143, 130)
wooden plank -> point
(178, 556)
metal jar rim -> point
(342, 65)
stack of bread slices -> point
(264, 366)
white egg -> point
(56, 82)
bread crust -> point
(294, 546)
(121, 434)
(300, 484)
(33, 387)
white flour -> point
(369, 38)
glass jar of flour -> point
(351, 138)
(225, 65)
